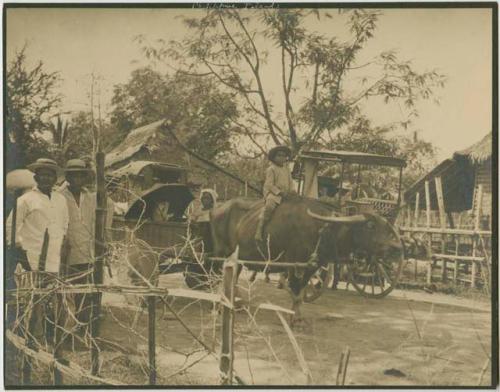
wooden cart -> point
(346, 180)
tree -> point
(79, 140)
(362, 136)
(317, 73)
(31, 100)
(196, 104)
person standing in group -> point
(81, 204)
(198, 210)
(278, 184)
(40, 227)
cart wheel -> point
(374, 277)
(196, 277)
(318, 283)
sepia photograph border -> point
(493, 6)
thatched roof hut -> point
(158, 142)
(479, 152)
(460, 177)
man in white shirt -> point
(81, 204)
(41, 225)
(38, 210)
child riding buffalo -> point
(278, 183)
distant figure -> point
(199, 210)
(278, 183)
(160, 212)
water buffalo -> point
(301, 230)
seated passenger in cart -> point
(199, 209)
(198, 213)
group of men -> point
(54, 227)
(54, 231)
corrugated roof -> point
(135, 167)
(150, 136)
(134, 141)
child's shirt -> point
(278, 179)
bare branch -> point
(266, 114)
(238, 48)
(257, 60)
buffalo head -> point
(368, 233)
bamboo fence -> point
(458, 239)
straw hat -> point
(76, 165)
(44, 163)
(273, 151)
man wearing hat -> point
(81, 205)
(41, 224)
(278, 183)
(38, 210)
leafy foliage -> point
(79, 139)
(362, 136)
(31, 100)
(317, 73)
(189, 103)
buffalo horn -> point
(338, 219)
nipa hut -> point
(464, 180)
(157, 142)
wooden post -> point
(152, 339)
(36, 281)
(56, 374)
(427, 204)
(478, 202)
(400, 185)
(473, 269)
(358, 182)
(100, 220)
(417, 211)
(11, 259)
(428, 214)
(457, 243)
(26, 362)
(227, 353)
(340, 183)
(429, 272)
(58, 314)
(342, 369)
(477, 219)
(246, 188)
(442, 220)
(440, 199)
(408, 214)
(13, 226)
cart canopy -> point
(178, 197)
(361, 158)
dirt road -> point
(408, 338)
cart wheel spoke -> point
(380, 275)
(381, 280)
(384, 272)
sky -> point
(457, 42)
